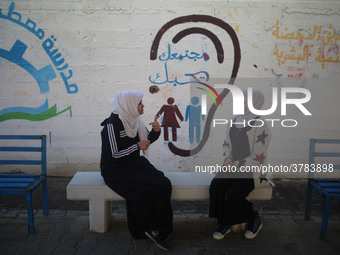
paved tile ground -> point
(66, 229)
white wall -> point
(106, 46)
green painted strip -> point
(50, 113)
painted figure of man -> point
(193, 114)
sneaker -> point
(156, 238)
(221, 232)
(165, 236)
(253, 227)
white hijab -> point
(125, 104)
(258, 101)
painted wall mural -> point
(295, 51)
(296, 54)
(61, 62)
(200, 77)
(42, 76)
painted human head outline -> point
(194, 100)
(171, 100)
(220, 57)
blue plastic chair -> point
(25, 184)
(328, 188)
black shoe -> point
(221, 232)
(165, 236)
(156, 238)
(253, 227)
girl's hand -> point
(228, 161)
(143, 145)
(155, 125)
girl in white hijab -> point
(125, 104)
(245, 144)
(146, 190)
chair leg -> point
(30, 214)
(45, 197)
(324, 224)
(308, 201)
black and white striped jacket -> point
(117, 148)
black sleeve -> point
(153, 135)
(121, 145)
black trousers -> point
(228, 201)
(148, 196)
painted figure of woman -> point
(169, 120)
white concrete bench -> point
(185, 186)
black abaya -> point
(146, 190)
